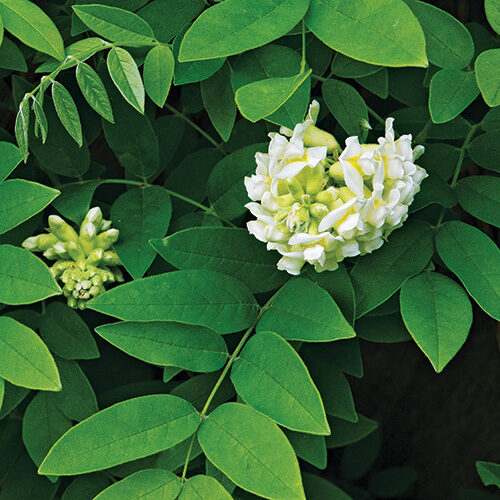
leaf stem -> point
(221, 378)
(207, 210)
(196, 127)
(303, 61)
(458, 168)
(375, 115)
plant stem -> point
(207, 210)
(303, 61)
(221, 378)
(375, 115)
(196, 127)
(458, 168)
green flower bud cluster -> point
(85, 262)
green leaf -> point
(301, 310)
(318, 488)
(2, 391)
(346, 67)
(447, 41)
(274, 61)
(252, 451)
(236, 26)
(115, 24)
(28, 22)
(85, 487)
(270, 376)
(259, 99)
(451, 91)
(22, 128)
(125, 431)
(383, 32)
(21, 200)
(438, 315)
(377, 84)
(218, 99)
(43, 425)
(440, 158)
(25, 359)
(94, 91)
(475, 259)
(77, 400)
(200, 487)
(377, 276)
(41, 122)
(158, 73)
(24, 278)
(125, 75)
(140, 214)
(226, 188)
(10, 157)
(195, 297)
(347, 106)
(489, 473)
(346, 433)
(433, 189)
(488, 76)
(168, 17)
(309, 447)
(66, 334)
(194, 348)
(147, 484)
(192, 71)
(485, 151)
(331, 382)
(13, 397)
(11, 57)
(230, 251)
(492, 9)
(386, 329)
(480, 196)
(74, 201)
(67, 111)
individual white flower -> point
(320, 209)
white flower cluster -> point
(316, 208)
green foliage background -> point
(224, 378)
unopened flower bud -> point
(318, 210)
(94, 215)
(314, 136)
(110, 258)
(62, 229)
(107, 238)
(95, 257)
(76, 252)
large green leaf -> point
(274, 61)
(200, 487)
(66, 334)
(115, 24)
(67, 111)
(194, 348)
(270, 376)
(28, 22)
(485, 150)
(77, 400)
(451, 91)
(480, 196)
(438, 315)
(125, 75)
(381, 32)
(235, 26)
(43, 425)
(231, 251)
(158, 73)
(348, 432)
(347, 106)
(309, 447)
(11, 56)
(226, 189)
(475, 259)
(10, 157)
(25, 359)
(447, 41)
(196, 297)
(125, 431)
(252, 451)
(147, 484)
(259, 99)
(492, 9)
(21, 200)
(93, 90)
(318, 488)
(488, 76)
(302, 310)
(218, 99)
(140, 214)
(74, 201)
(377, 276)
(24, 278)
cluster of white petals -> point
(313, 207)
